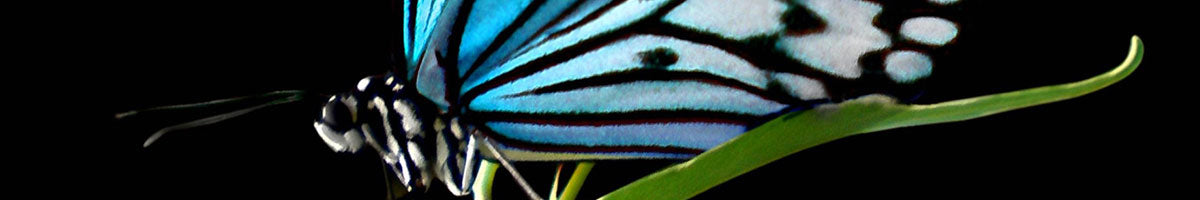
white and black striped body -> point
(595, 80)
(412, 138)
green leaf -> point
(797, 131)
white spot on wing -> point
(738, 20)
(801, 87)
(848, 35)
(907, 66)
(929, 30)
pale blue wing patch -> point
(427, 14)
(801, 87)
(907, 66)
(431, 74)
(420, 19)
(848, 35)
(431, 81)
(486, 20)
(616, 17)
(546, 14)
(693, 135)
(570, 19)
(633, 96)
(519, 154)
(929, 30)
(737, 21)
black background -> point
(1121, 141)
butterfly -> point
(602, 80)
(538, 88)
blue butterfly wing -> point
(479, 34)
(419, 18)
(588, 94)
(569, 80)
(468, 34)
(571, 95)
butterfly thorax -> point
(413, 139)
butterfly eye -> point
(336, 125)
(337, 114)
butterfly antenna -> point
(491, 145)
(209, 103)
(281, 97)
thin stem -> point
(483, 180)
(577, 178)
(554, 186)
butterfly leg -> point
(491, 147)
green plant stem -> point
(483, 180)
(577, 178)
(554, 186)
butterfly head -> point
(381, 114)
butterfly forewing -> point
(586, 80)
